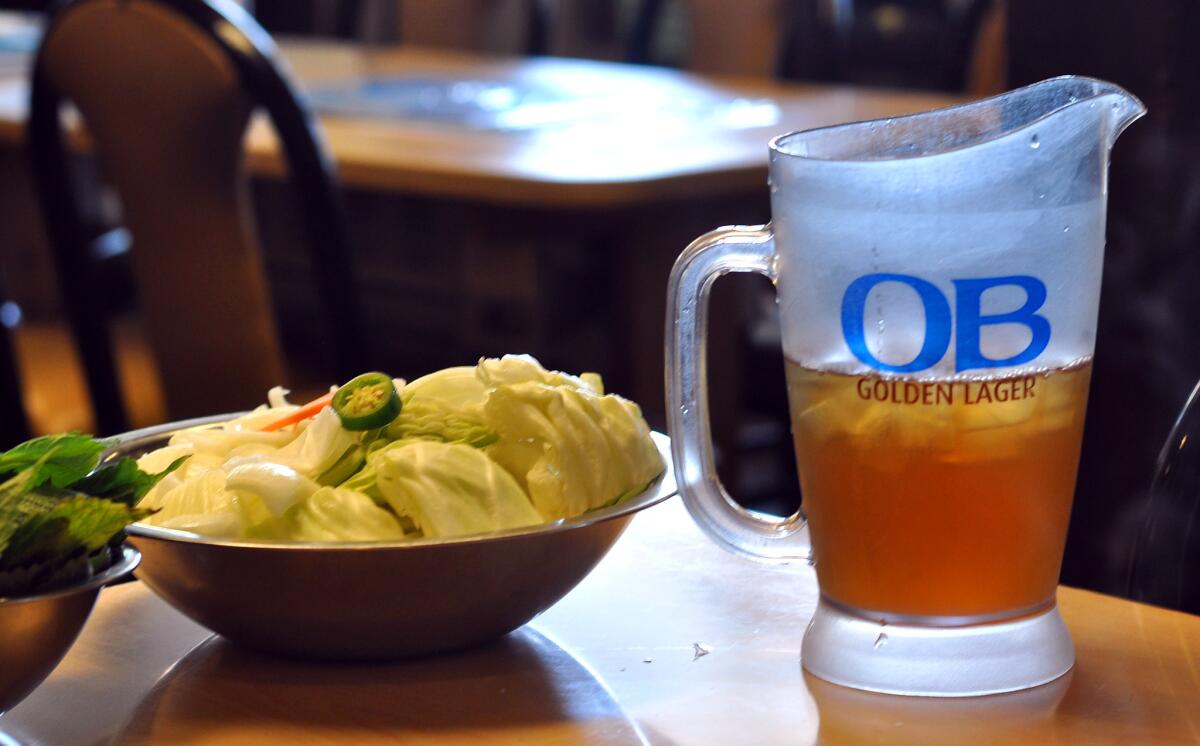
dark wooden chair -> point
(510, 27)
(1165, 568)
(929, 44)
(165, 90)
(14, 425)
(919, 43)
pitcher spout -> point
(1110, 106)
(1071, 102)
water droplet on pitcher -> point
(1042, 195)
(1034, 142)
(1066, 229)
(881, 640)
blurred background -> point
(517, 176)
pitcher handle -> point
(729, 249)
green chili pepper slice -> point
(367, 402)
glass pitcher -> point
(938, 280)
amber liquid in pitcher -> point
(943, 499)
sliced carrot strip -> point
(303, 413)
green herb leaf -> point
(42, 538)
(16, 485)
(18, 506)
(122, 480)
(94, 520)
(58, 459)
(77, 523)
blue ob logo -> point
(968, 356)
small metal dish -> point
(374, 600)
(36, 631)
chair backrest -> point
(922, 43)
(165, 89)
(498, 26)
(740, 38)
(14, 424)
(720, 38)
(594, 29)
(1165, 566)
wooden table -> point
(668, 641)
(625, 149)
(622, 147)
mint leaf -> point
(77, 523)
(122, 480)
(57, 459)
(16, 485)
(94, 521)
(18, 507)
(42, 538)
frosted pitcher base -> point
(936, 661)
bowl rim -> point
(130, 558)
(662, 488)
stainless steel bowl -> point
(36, 631)
(375, 600)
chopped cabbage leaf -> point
(278, 486)
(365, 481)
(446, 406)
(220, 441)
(333, 514)
(322, 444)
(199, 503)
(157, 461)
(512, 369)
(428, 418)
(315, 451)
(570, 448)
(451, 489)
(456, 387)
(276, 398)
